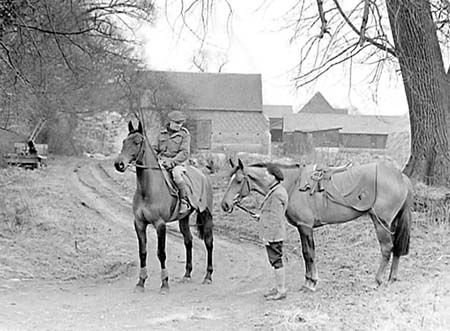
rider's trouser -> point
(177, 173)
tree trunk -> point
(424, 79)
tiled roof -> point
(349, 123)
(277, 110)
(215, 91)
(319, 105)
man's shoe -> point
(270, 293)
(277, 296)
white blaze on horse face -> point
(229, 185)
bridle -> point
(244, 186)
(140, 155)
(236, 201)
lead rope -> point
(248, 211)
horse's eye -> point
(137, 140)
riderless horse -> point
(336, 195)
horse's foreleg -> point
(206, 221)
(386, 245)
(187, 235)
(161, 233)
(394, 268)
(141, 232)
(309, 254)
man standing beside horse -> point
(173, 150)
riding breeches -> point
(177, 173)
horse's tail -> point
(402, 232)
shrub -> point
(16, 203)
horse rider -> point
(272, 227)
(173, 150)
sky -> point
(257, 44)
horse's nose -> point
(226, 206)
(119, 165)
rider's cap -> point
(176, 116)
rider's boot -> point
(184, 206)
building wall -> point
(326, 138)
(352, 140)
(297, 142)
(235, 131)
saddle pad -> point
(198, 185)
(200, 193)
(355, 187)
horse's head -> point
(238, 187)
(132, 147)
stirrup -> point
(184, 206)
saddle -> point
(353, 187)
(314, 178)
(197, 190)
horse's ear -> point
(130, 126)
(140, 129)
(240, 164)
(231, 162)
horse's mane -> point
(279, 165)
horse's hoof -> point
(186, 279)
(309, 288)
(164, 290)
(207, 281)
(139, 289)
(393, 280)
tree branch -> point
(323, 26)
(362, 33)
(370, 40)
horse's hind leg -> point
(309, 254)
(161, 233)
(141, 233)
(386, 245)
(187, 235)
(205, 226)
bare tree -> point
(64, 58)
(404, 33)
(409, 35)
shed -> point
(276, 113)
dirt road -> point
(95, 289)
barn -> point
(224, 110)
(330, 127)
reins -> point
(140, 155)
